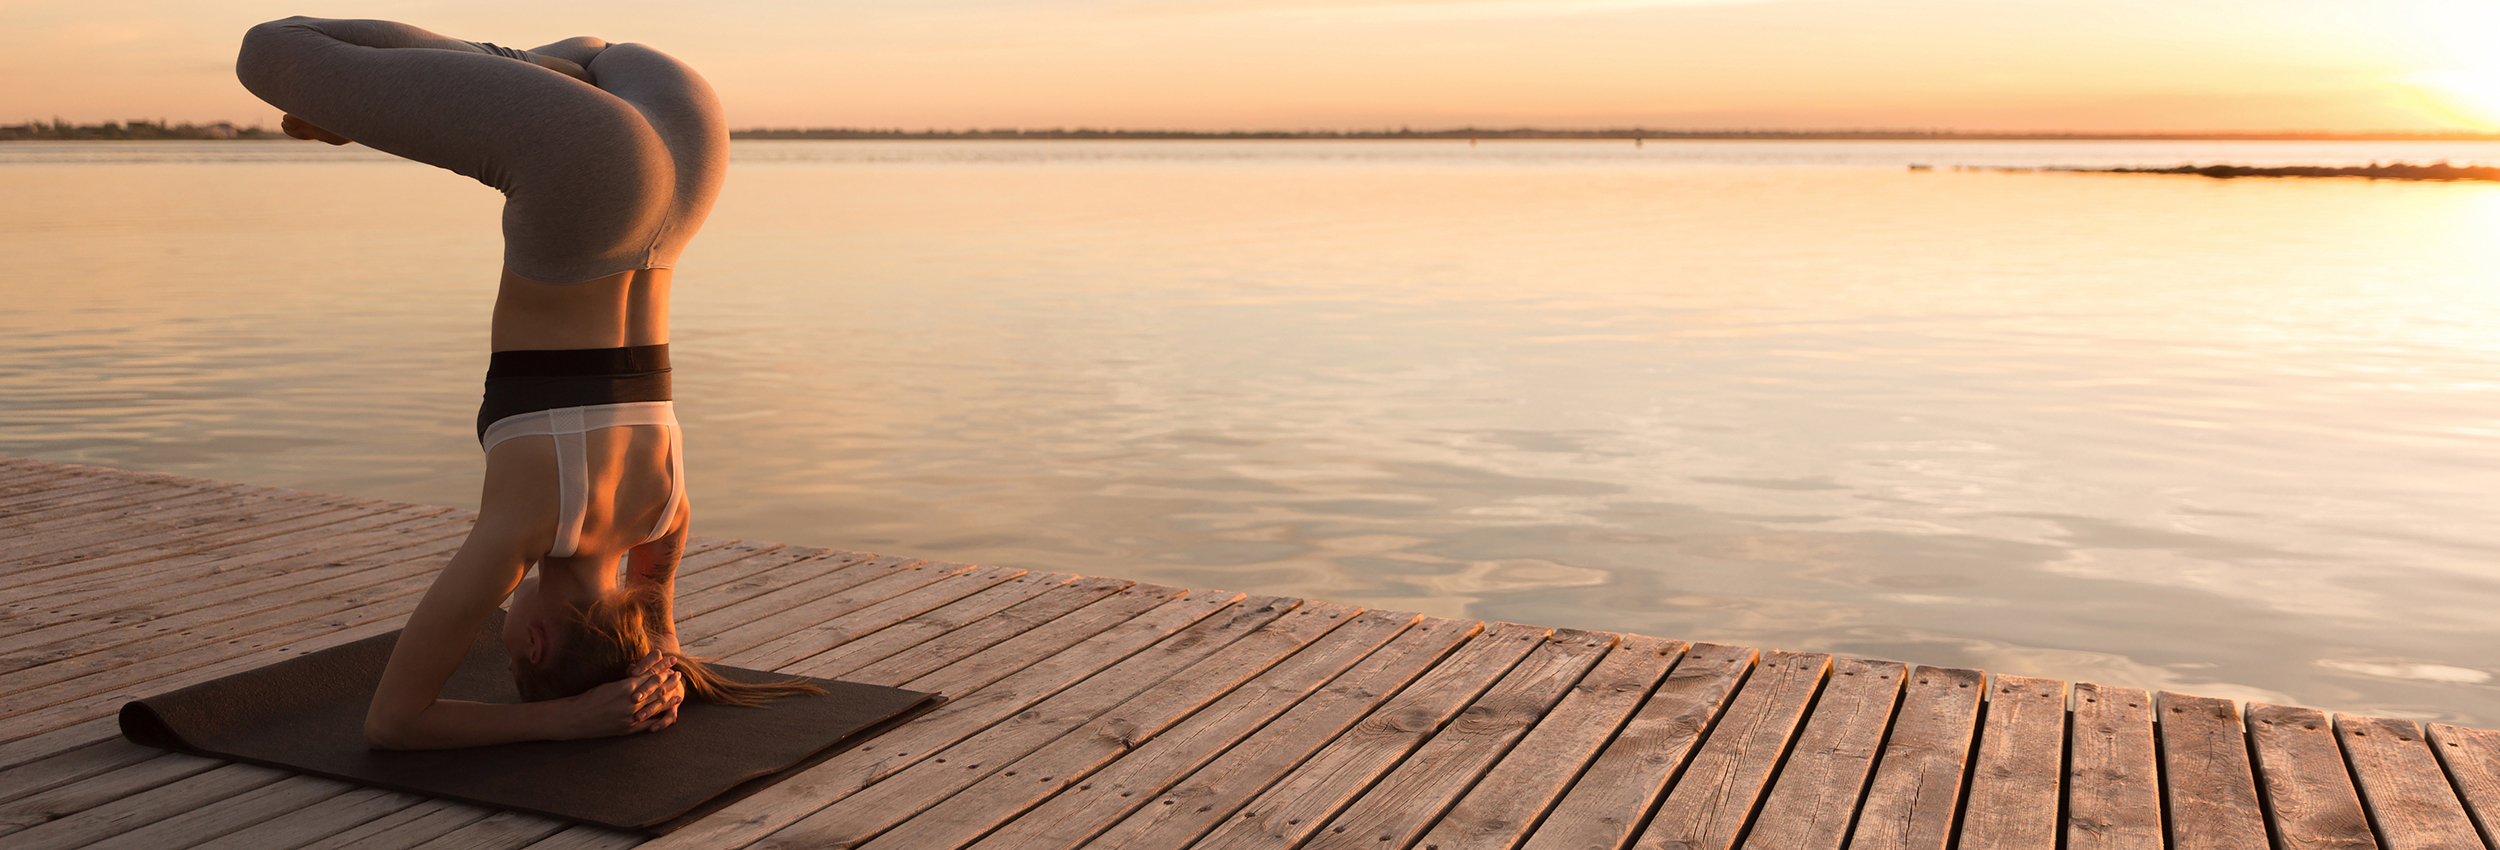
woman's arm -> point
(517, 520)
(656, 563)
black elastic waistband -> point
(520, 382)
(578, 362)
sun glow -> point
(2470, 94)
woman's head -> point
(567, 647)
(561, 648)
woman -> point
(609, 157)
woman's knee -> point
(273, 54)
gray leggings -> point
(596, 180)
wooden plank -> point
(1609, 801)
(36, 622)
(2211, 789)
(74, 673)
(1004, 750)
(733, 631)
(2408, 796)
(1015, 623)
(42, 503)
(138, 618)
(405, 828)
(1211, 794)
(2472, 757)
(303, 555)
(1314, 637)
(160, 513)
(35, 487)
(44, 775)
(315, 822)
(348, 608)
(50, 742)
(2113, 781)
(216, 526)
(498, 830)
(735, 562)
(985, 688)
(871, 648)
(1709, 807)
(106, 672)
(74, 797)
(799, 584)
(1911, 802)
(156, 525)
(20, 465)
(74, 497)
(227, 815)
(39, 490)
(144, 808)
(69, 674)
(139, 511)
(38, 509)
(1816, 795)
(1309, 698)
(835, 628)
(2308, 792)
(2014, 781)
(333, 813)
(97, 470)
(1316, 790)
(745, 579)
(17, 467)
(1500, 810)
(1398, 809)
(588, 838)
(89, 718)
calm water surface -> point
(2237, 438)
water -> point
(2234, 438)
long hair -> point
(598, 643)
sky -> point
(1972, 65)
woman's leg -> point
(683, 111)
(586, 176)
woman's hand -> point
(302, 129)
(645, 700)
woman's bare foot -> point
(302, 129)
(566, 67)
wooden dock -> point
(1098, 712)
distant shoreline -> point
(2437, 171)
(143, 130)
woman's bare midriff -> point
(623, 309)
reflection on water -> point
(2228, 437)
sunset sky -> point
(1349, 64)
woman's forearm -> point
(449, 724)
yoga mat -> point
(307, 714)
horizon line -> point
(230, 129)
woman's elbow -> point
(383, 733)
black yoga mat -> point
(307, 714)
